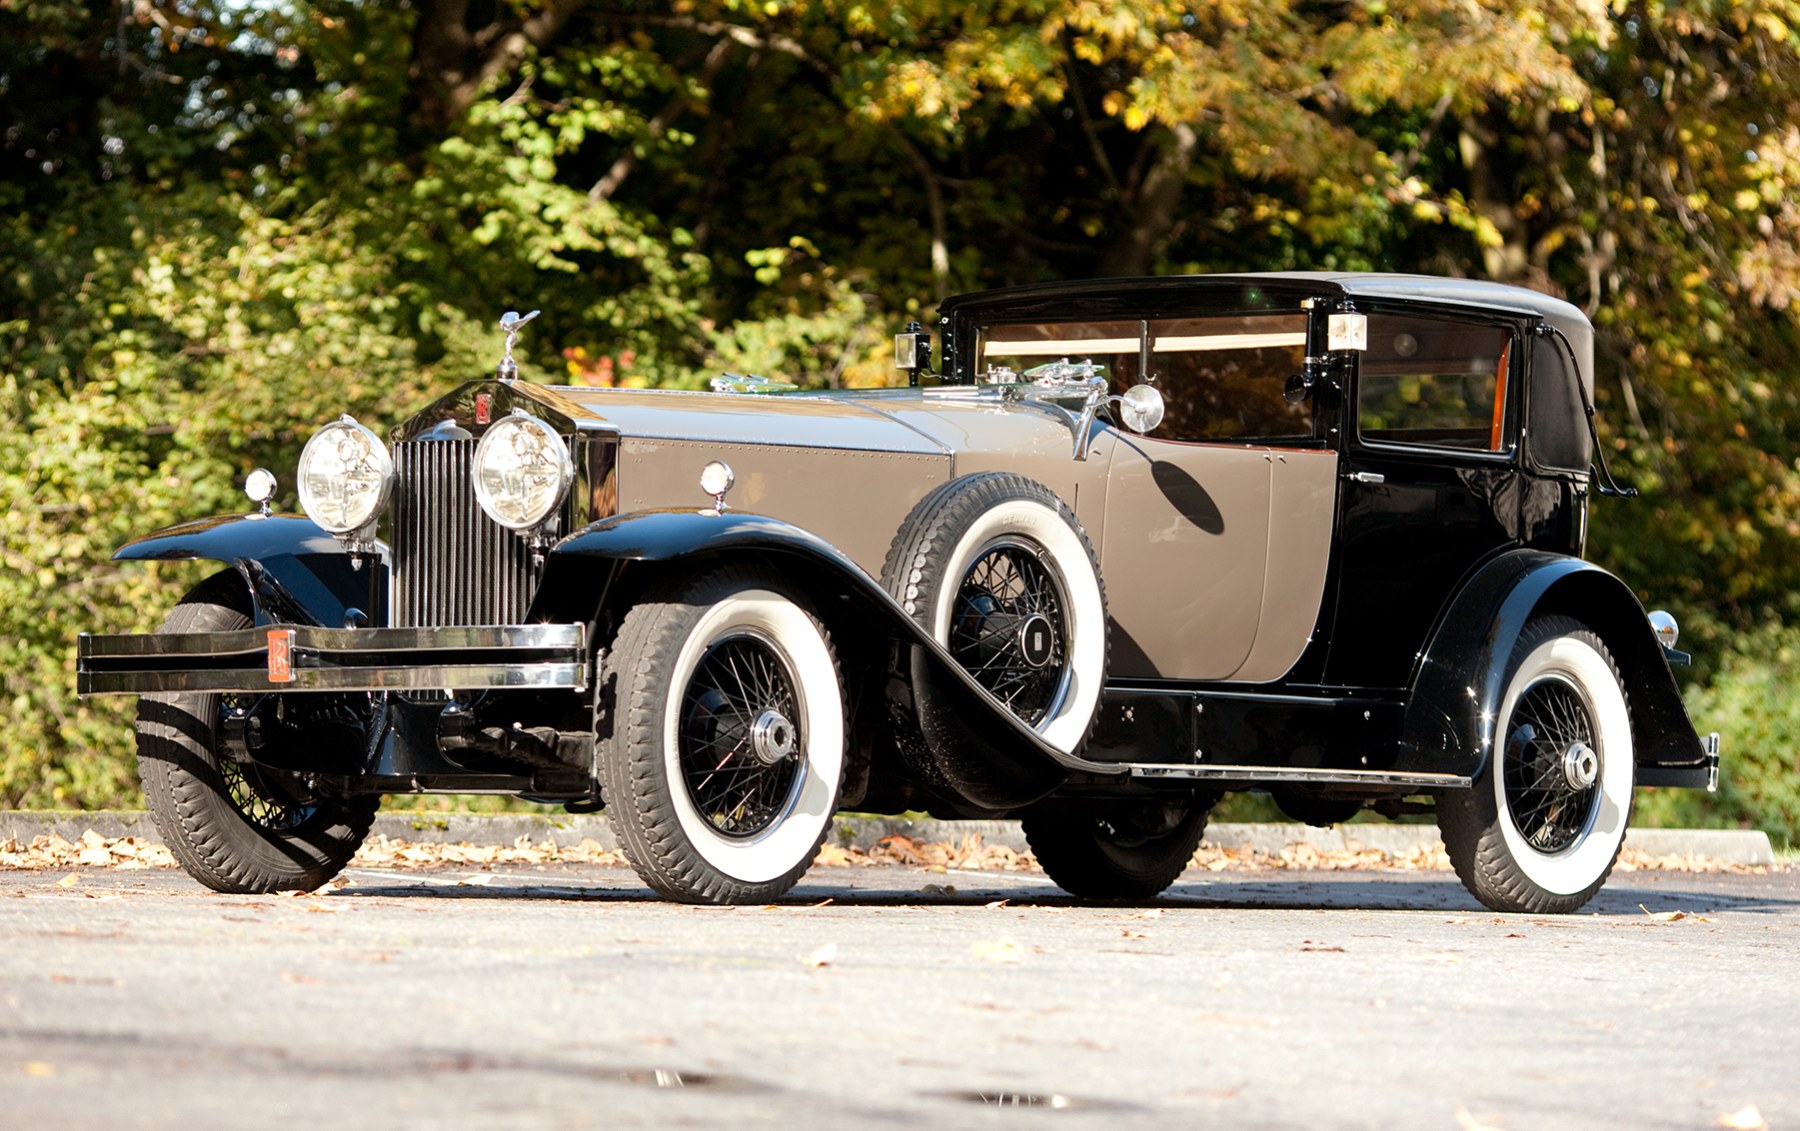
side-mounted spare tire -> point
(1000, 572)
(235, 827)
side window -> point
(1435, 382)
(1020, 346)
(1222, 378)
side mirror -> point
(1141, 408)
(912, 351)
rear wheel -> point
(235, 826)
(1542, 825)
(724, 752)
(1117, 851)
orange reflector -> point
(281, 655)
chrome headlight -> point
(345, 476)
(522, 471)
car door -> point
(1429, 485)
(1192, 506)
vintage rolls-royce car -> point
(1128, 546)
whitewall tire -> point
(724, 752)
(1543, 824)
(1000, 572)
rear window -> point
(1436, 382)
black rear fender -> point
(1461, 677)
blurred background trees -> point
(223, 222)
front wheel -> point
(724, 749)
(235, 826)
(1542, 825)
(1117, 851)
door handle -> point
(1367, 477)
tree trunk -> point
(452, 62)
(1151, 206)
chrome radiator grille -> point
(453, 565)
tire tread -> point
(1470, 820)
(634, 783)
(186, 795)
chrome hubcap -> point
(772, 738)
(1037, 641)
(1580, 765)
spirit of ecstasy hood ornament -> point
(510, 322)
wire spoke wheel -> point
(739, 741)
(237, 826)
(262, 804)
(1551, 807)
(723, 754)
(1541, 825)
(996, 568)
(1009, 629)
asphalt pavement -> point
(565, 996)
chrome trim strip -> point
(254, 641)
(470, 677)
(1292, 774)
(338, 659)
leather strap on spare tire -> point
(998, 570)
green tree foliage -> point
(225, 223)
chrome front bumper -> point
(292, 657)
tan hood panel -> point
(735, 418)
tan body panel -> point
(848, 469)
(856, 500)
(1184, 556)
(1026, 440)
(1214, 556)
(1302, 513)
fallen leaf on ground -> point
(1663, 916)
(998, 950)
(971, 853)
(1469, 1123)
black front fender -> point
(1460, 682)
(297, 572)
(997, 762)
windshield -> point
(1221, 376)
